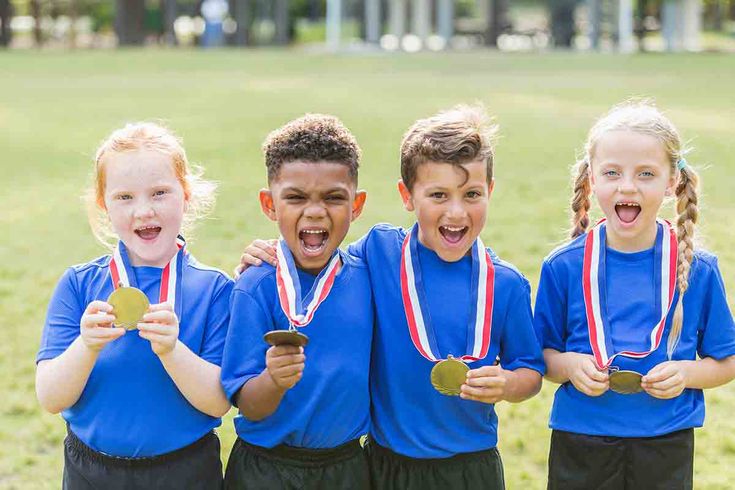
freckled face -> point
(145, 203)
(631, 176)
(450, 206)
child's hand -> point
(160, 326)
(585, 376)
(96, 328)
(666, 380)
(255, 254)
(285, 364)
(485, 384)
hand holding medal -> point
(486, 384)
(585, 375)
(160, 326)
(666, 380)
(94, 326)
(285, 364)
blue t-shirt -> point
(408, 415)
(632, 311)
(130, 406)
(330, 405)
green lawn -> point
(56, 107)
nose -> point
(627, 186)
(314, 210)
(456, 209)
(144, 209)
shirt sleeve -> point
(717, 330)
(218, 318)
(62, 318)
(244, 354)
(359, 248)
(549, 316)
(519, 347)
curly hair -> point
(311, 138)
(457, 136)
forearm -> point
(196, 379)
(557, 365)
(61, 381)
(522, 384)
(260, 397)
(709, 373)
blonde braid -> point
(581, 199)
(687, 214)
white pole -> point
(692, 10)
(445, 19)
(372, 21)
(625, 26)
(334, 24)
(397, 18)
(421, 19)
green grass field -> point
(56, 107)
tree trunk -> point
(496, 21)
(6, 14)
(129, 16)
(169, 9)
(35, 6)
(243, 14)
(562, 22)
(280, 11)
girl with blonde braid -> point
(633, 319)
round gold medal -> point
(448, 376)
(128, 305)
(286, 337)
(625, 382)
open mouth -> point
(313, 240)
(453, 234)
(148, 232)
(627, 211)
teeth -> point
(313, 232)
(453, 228)
(629, 204)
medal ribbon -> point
(289, 287)
(593, 284)
(121, 273)
(415, 305)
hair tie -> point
(682, 164)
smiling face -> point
(145, 203)
(450, 206)
(631, 176)
(314, 204)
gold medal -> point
(448, 376)
(625, 382)
(286, 337)
(128, 305)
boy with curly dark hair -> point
(300, 421)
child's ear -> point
(266, 204)
(405, 196)
(357, 204)
(490, 187)
(673, 184)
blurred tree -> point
(242, 12)
(129, 22)
(6, 14)
(496, 20)
(35, 7)
(562, 22)
(169, 13)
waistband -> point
(380, 451)
(73, 442)
(301, 456)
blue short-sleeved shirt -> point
(330, 405)
(632, 311)
(409, 416)
(130, 406)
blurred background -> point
(408, 25)
(224, 73)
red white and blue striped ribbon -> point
(594, 250)
(289, 290)
(414, 303)
(121, 272)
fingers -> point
(286, 360)
(97, 320)
(591, 371)
(161, 314)
(266, 250)
(104, 334)
(98, 306)
(659, 373)
(284, 350)
(484, 371)
(590, 386)
(161, 307)
(165, 329)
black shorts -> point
(196, 466)
(581, 462)
(393, 471)
(285, 467)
